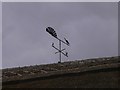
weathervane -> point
(52, 32)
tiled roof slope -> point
(28, 72)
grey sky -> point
(91, 28)
(0, 34)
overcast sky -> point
(0, 35)
(91, 28)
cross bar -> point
(62, 41)
(59, 51)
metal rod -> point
(60, 49)
(62, 41)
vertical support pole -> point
(60, 50)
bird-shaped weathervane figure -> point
(52, 32)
